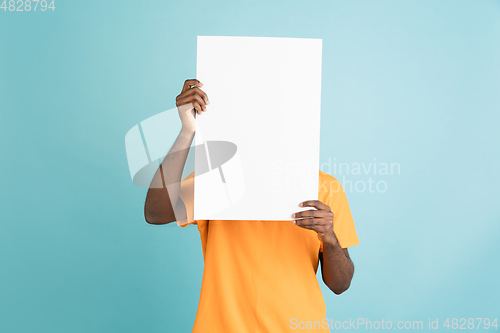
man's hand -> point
(336, 265)
(191, 99)
(319, 220)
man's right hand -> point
(191, 100)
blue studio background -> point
(412, 83)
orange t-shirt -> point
(260, 276)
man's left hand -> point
(319, 220)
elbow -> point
(158, 211)
(154, 219)
(337, 290)
(150, 219)
(342, 283)
(339, 286)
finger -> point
(197, 91)
(315, 227)
(191, 82)
(188, 83)
(191, 99)
(197, 107)
(313, 222)
(314, 203)
(201, 102)
(311, 213)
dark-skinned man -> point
(259, 276)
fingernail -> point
(294, 222)
(293, 215)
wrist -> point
(330, 239)
(188, 130)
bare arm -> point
(160, 202)
(337, 268)
(158, 208)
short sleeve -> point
(186, 193)
(332, 194)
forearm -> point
(160, 202)
(337, 268)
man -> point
(259, 276)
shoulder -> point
(325, 176)
(329, 188)
(327, 180)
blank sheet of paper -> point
(265, 98)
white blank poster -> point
(265, 98)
